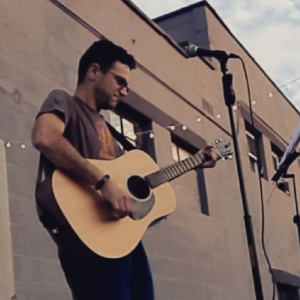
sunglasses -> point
(122, 82)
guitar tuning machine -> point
(218, 141)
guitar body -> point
(90, 216)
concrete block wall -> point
(192, 255)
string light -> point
(171, 127)
(218, 116)
(287, 85)
(10, 144)
(184, 128)
(253, 102)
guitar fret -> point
(186, 165)
(189, 160)
(181, 169)
(183, 166)
(166, 173)
(175, 171)
(197, 159)
(161, 176)
(170, 172)
(201, 157)
(194, 161)
(176, 166)
(185, 162)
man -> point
(66, 132)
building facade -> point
(175, 108)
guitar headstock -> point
(223, 148)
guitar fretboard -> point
(173, 171)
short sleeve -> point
(59, 103)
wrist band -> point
(101, 182)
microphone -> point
(193, 51)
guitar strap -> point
(120, 138)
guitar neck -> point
(175, 170)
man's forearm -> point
(66, 158)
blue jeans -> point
(92, 277)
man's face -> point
(111, 86)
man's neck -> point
(87, 96)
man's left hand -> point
(211, 152)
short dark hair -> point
(104, 53)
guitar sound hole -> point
(138, 187)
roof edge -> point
(205, 3)
(160, 31)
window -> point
(134, 126)
(181, 151)
(256, 160)
(179, 154)
(277, 154)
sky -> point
(268, 29)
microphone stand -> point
(229, 97)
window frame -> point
(257, 160)
(184, 147)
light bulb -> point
(184, 128)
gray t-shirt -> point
(85, 129)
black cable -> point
(260, 185)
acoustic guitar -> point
(152, 198)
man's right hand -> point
(119, 199)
